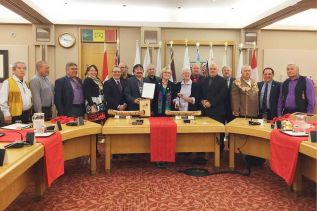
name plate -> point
(122, 117)
(184, 117)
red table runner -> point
(284, 154)
(53, 152)
(163, 139)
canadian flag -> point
(254, 71)
(105, 66)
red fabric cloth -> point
(63, 119)
(53, 151)
(163, 139)
(284, 154)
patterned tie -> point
(264, 101)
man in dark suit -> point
(69, 95)
(196, 76)
(134, 88)
(227, 74)
(269, 94)
(213, 93)
(1, 119)
(114, 91)
(151, 75)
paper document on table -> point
(148, 90)
(16, 126)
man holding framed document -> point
(134, 88)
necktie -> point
(264, 101)
(119, 85)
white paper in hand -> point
(148, 90)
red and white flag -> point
(105, 66)
(254, 67)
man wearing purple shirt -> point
(69, 95)
(297, 93)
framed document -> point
(148, 90)
(4, 65)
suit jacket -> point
(274, 96)
(195, 92)
(132, 92)
(229, 115)
(200, 79)
(170, 91)
(244, 98)
(112, 93)
(1, 119)
(64, 95)
(216, 93)
(147, 79)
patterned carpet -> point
(136, 184)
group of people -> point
(220, 97)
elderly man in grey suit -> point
(134, 88)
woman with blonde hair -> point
(164, 93)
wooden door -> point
(92, 53)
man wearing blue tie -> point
(269, 94)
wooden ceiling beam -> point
(24, 10)
(284, 13)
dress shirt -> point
(25, 94)
(42, 92)
(186, 91)
(290, 98)
(269, 85)
(78, 91)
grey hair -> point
(224, 67)
(295, 65)
(15, 64)
(149, 66)
(70, 64)
(39, 64)
(185, 69)
(245, 67)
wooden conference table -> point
(27, 163)
(79, 141)
(254, 140)
(124, 138)
(25, 167)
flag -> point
(240, 64)
(224, 59)
(172, 65)
(137, 57)
(211, 56)
(158, 63)
(197, 56)
(105, 66)
(147, 60)
(254, 71)
(186, 63)
(117, 59)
